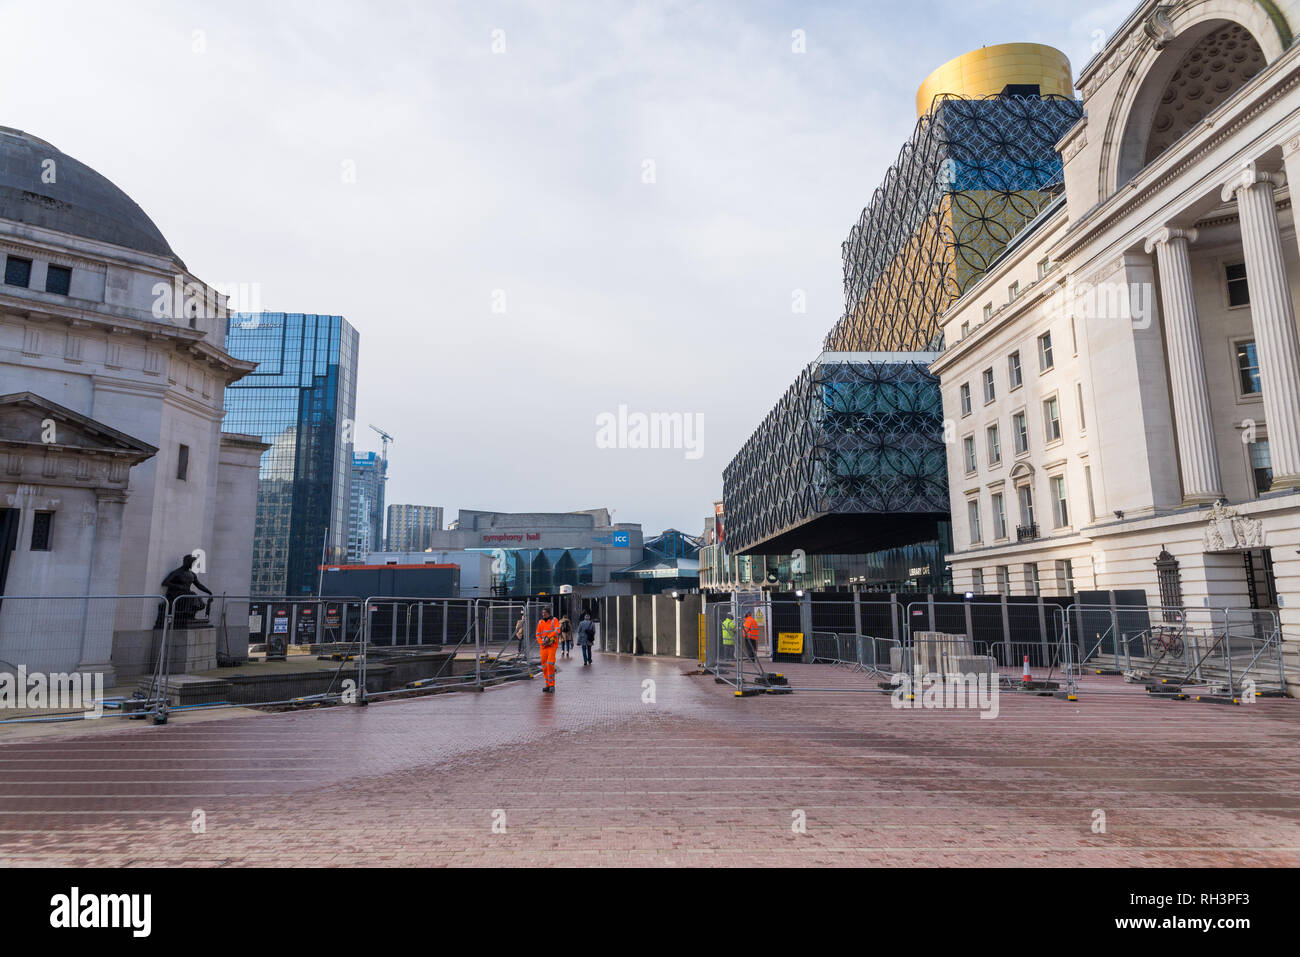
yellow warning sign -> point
(789, 643)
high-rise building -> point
(302, 400)
(366, 508)
(411, 528)
(851, 465)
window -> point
(965, 398)
(42, 531)
(1074, 337)
(1065, 576)
(988, 311)
(183, 463)
(995, 446)
(1045, 352)
(1261, 466)
(968, 453)
(1238, 287)
(965, 329)
(990, 393)
(1003, 576)
(973, 514)
(1078, 392)
(58, 280)
(1052, 419)
(1248, 368)
(1031, 579)
(977, 581)
(1013, 369)
(1026, 494)
(18, 272)
(1044, 267)
(1013, 292)
(1020, 429)
(999, 517)
(1060, 507)
(1171, 584)
(1092, 505)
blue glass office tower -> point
(301, 400)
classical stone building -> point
(113, 463)
(1131, 360)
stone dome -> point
(79, 201)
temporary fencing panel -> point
(64, 656)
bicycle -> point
(1169, 641)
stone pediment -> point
(1227, 530)
(31, 420)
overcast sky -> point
(518, 178)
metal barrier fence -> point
(865, 653)
(351, 650)
(316, 650)
(859, 635)
(63, 657)
(730, 655)
(1038, 646)
(1025, 644)
(317, 640)
(1234, 650)
(1252, 653)
(481, 640)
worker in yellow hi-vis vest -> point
(728, 650)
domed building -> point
(113, 370)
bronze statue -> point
(177, 587)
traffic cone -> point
(1025, 676)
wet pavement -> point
(614, 771)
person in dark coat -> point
(586, 637)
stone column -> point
(1273, 317)
(102, 615)
(1198, 458)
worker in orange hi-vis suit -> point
(548, 636)
(752, 633)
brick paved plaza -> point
(593, 775)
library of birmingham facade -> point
(1125, 379)
(844, 484)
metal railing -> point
(53, 646)
(1230, 650)
(421, 644)
(730, 656)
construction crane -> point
(386, 439)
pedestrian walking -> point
(521, 629)
(548, 636)
(566, 637)
(586, 637)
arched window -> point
(1196, 73)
